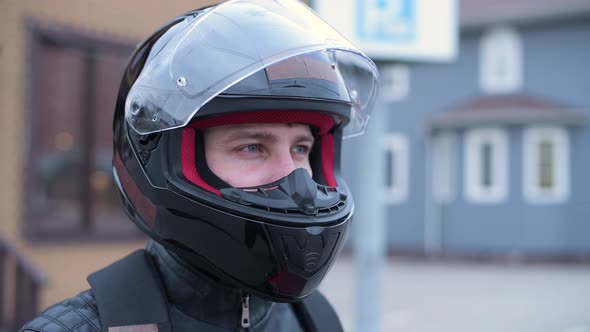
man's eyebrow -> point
(264, 137)
(257, 135)
(305, 138)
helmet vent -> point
(320, 212)
(317, 212)
(296, 193)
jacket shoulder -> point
(76, 314)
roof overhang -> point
(507, 111)
(481, 13)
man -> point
(227, 136)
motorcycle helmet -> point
(244, 61)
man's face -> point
(254, 154)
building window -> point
(443, 167)
(396, 168)
(546, 178)
(546, 164)
(486, 165)
(69, 190)
(395, 82)
(500, 61)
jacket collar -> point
(200, 296)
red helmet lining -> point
(322, 121)
(189, 160)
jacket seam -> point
(265, 317)
(87, 321)
(87, 304)
(54, 320)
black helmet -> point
(224, 65)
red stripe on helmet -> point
(144, 207)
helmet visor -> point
(235, 40)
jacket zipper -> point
(245, 322)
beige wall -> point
(65, 265)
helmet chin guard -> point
(295, 193)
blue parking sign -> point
(386, 21)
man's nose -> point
(282, 165)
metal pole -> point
(432, 204)
(369, 224)
(431, 229)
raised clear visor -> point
(229, 43)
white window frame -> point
(533, 192)
(474, 191)
(444, 166)
(397, 143)
(500, 48)
(395, 82)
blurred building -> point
(61, 64)
(489, 155)
(486, 155)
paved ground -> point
(434, 296)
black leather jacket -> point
(196, 303)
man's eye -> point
(301, 149)
(250, 148)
